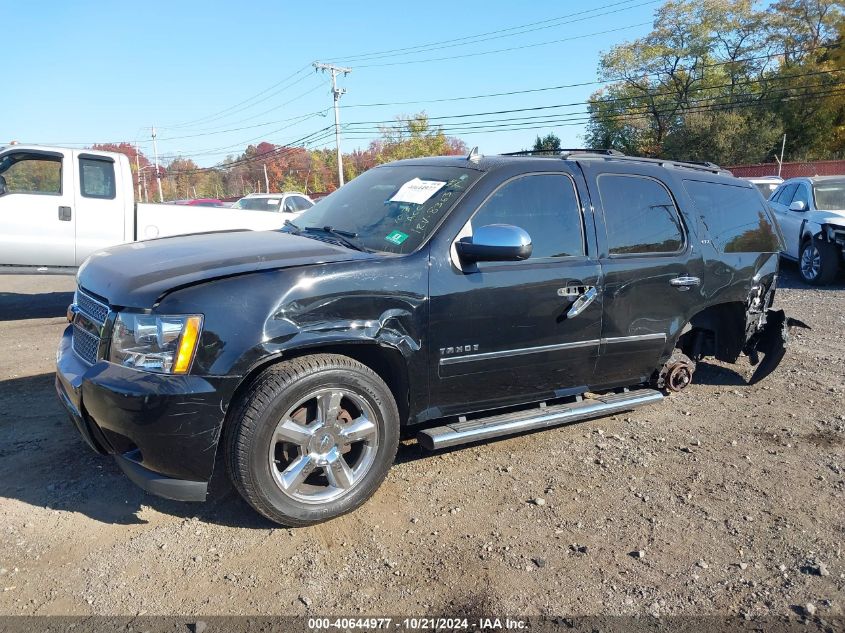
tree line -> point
(723, 81)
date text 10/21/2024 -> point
(417, 624)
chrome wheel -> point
(323, 446)
(811, 262)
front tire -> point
(818, 262)
(312, 439)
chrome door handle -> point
(685, 282)
(64, 214)
(581, 303)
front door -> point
(37, 218)
(500, 331)
(790, 221)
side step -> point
(533, 419)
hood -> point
(138, 275)
(827, 217)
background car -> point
(766, 184)
(201, 202)
(811, 214)
(291, 202)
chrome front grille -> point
(90, 312)
(85, 344)
(96, 311)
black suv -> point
(458, 298)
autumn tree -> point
(412, 137)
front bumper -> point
(162, 429)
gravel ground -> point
(725, 499)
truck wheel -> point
(818, 262)
(311, 439)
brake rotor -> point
(678, 376)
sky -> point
(213, 76)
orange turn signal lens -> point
(187, 345)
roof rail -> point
(612, 154)
(563, 153)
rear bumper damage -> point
(770, 340)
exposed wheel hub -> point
(679, 376)
(676, 374)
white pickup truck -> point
(59, 205)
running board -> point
(533, 419)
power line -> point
(252, 117)
(563, 86)
(610, 100)
(297, 119)
(485, 127)
(222, 150)
(216, 115)
(497, 34)
(314, 137)
(572, 118)
(504, 50)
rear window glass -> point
(96, 178)
(640, 215)
(735, 218)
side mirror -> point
(495, 243)
(3, 189)
(798, 205)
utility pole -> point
(158, 174)
(337, 92)
(138, 171)
(266, 179)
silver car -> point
(811, 214)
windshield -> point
(830, 196)
(391, 209)
(259, 204)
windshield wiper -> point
(342, 236)
(297, 230)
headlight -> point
(159, 343)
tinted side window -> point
(546, 206)
(786, 194)
(96, 178)
(301, 203)
(640, 216)
(32, 173)
(734, 217)
(802, 194)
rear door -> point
(652, 270)
(37, 218)
(500, 331)
(100, 195)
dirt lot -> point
(725, 499)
